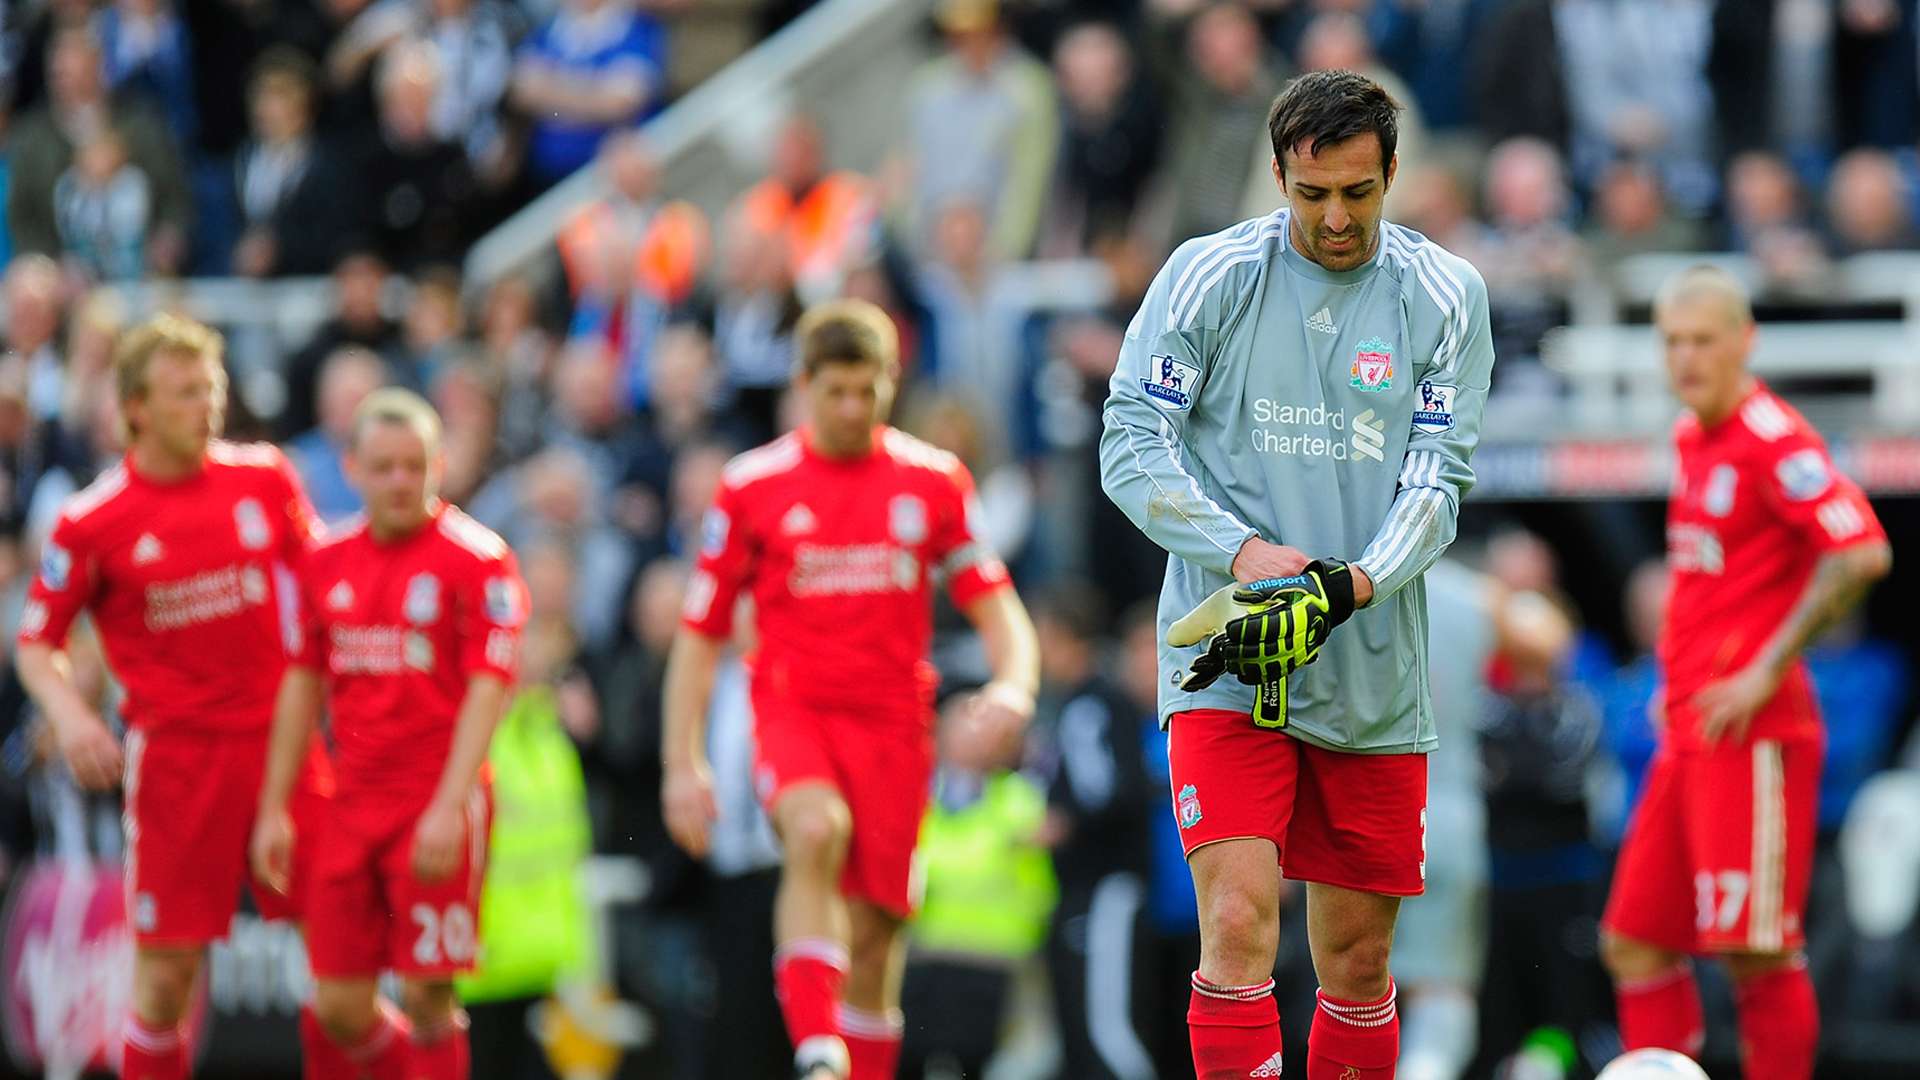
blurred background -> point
(585, 228)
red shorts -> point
(370, 913)
(1362, 817)
(883, 768)
(189, 802)
(1719, 854)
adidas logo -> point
(799, 521)
(1270, 1068)
(147, 549)
(1322, 321)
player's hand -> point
(271, 851)
(1265, 630)
(437, 841)
(1258, 560)
(91, 752)
(686, 801)
(992, 723)
(1727, 705)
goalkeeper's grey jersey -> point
(1333, 411)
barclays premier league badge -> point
(1169, 382)
(1372, 369)
(1433, 413)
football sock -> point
(441, 1052)
(1353, 1039)
(385, 1051)
(873, 1042)
(1235, 1030)
(1779, 1024)
(807, 977)
(1662, 1011)
(320, 1057)
(149, 1053)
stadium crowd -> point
(591, 401)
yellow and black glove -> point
(1264, 631)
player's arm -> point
(726, 560)
(1834, 516)
(442, 830)
(296, 709)
(1435, 473)
(1165, 359)
(1000, 711)
(60, 591)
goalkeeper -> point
(1291, 418)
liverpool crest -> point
(1372, 369)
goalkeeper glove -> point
(1265, 630)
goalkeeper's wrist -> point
(1362, 586)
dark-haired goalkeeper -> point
(1292, 417)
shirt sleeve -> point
(1819, 502)
(1435, 473)
(306, 641)
(303, 523)
(491, 613)
(1164, 361)
(726, 559)
(969, 567)
(68, 578)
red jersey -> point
(841, 557)
(1756, 502)
(189, 584)
(397, 629)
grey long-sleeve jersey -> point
(1334, 411)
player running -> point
(182, 553)
(1297, 390)
(411, 636)
(838, 531)
(1768, 544)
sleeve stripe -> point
(1140, 464)
(1204, 260)
(967, 557)
(1442, 288)
(1273, 228)
(1394, 545)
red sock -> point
(150, 1053)
(320, 1058)
(1662, 1011)
(442, 1052)
(385, 1052)
(807, 977)
(1779, 1024)
(1353, 1040)
(873, 1041)
(1235, 1030)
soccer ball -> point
(1652, 1065)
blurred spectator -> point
(1518, 76)
(359, 285)
(977, 316)
(588, 418)
(291, 186)
(981, 128)
(467, 395)
(1771, 66)
(518, 351)
(146, 52)
(1432, 45)
(1101, 800)
(1527, 253)
(1636, 84)
(1110, 138)
(824, 220)
(319, 455)
(35, 307)
(1629, 700)
(988, 893)
(43, 145)
(1631, 217)
(1435, 202)
(629, 260)
(1868, 205)
(1221, 91)
(474, 41)
(754, 310)
(1003, 489)
(1536, 744)
(1337, 40)
(1874, 56)
(420, 190)
(431, 331)
(102, 207)
(1767, 218)
(597, 67)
